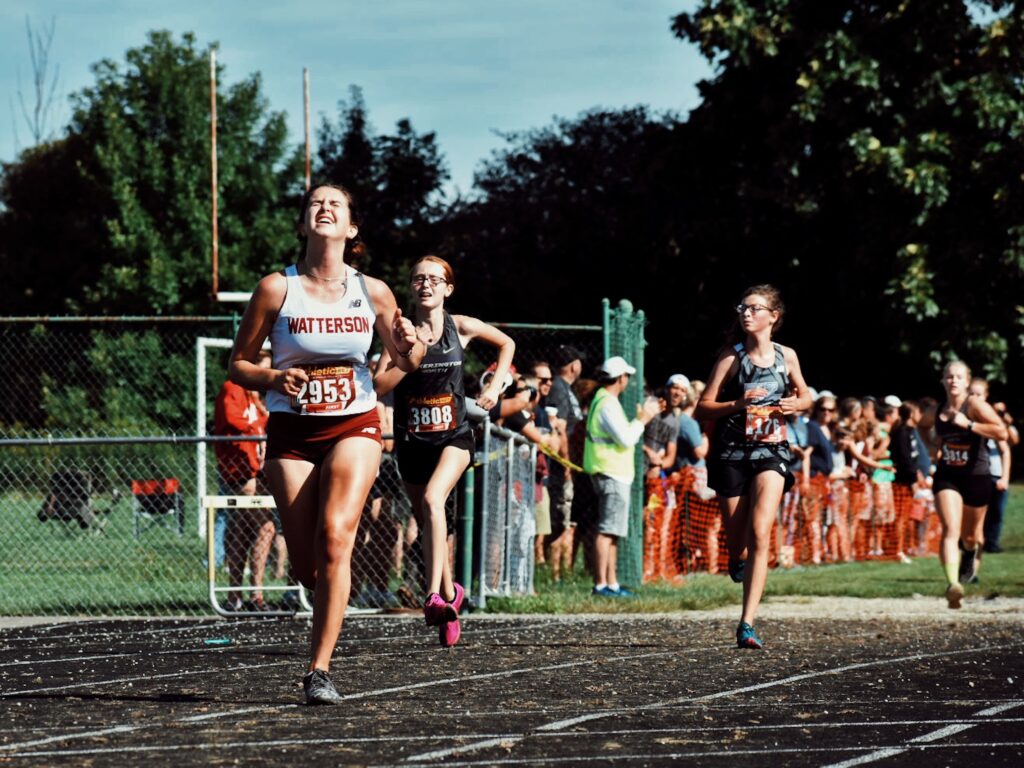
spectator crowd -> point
(863, 468)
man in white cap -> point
(608, 456)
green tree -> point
(867, 156)
(139, 144)
(49, 245)
(396, 180)
(568, 214)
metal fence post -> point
(466, 530)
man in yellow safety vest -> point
(608, 456)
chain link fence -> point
(624, 336)
(107, 451)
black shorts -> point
(418, 459)
(388, 481)
(730, 479)
(976, 490)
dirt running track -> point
(931, 688)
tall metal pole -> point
(305, 101)
(213, 167)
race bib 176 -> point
(765, 424)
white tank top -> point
(331, 342)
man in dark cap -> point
(568, 363)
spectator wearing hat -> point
(568, 363)
(608, 455)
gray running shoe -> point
(319, 688)
(954, 595)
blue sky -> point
(459, 68)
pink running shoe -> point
(449, 633)
(435, 610)
(451, 630)
(456, 602)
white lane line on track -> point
(570, 722)
(941, 733)
(618, 758)
(226, 628)
(105, 656)
(612, 733)
(497, 739)
(224, 649)
(54, 739)
(431, 684)
(6, 748)
(100, 683)
(113, 631)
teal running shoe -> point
(746, 637)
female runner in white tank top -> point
(753, 387)
(323, 437)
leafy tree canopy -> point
(396, 180)
(135, 227)
(868, 155)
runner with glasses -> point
(754, 386)
(433, 438)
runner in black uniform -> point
(962, 482)
(432, 434)
(753, 386)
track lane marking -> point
(5, 748)
(210, 746)
(926, 738)
(96, 684)
(569, 722)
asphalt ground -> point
(931, 689)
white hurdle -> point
(230, 503)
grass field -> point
(52, 569)
(1001, 575)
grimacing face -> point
(328, 214)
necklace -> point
(328, 280)
(430, 337)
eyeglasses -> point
(544, 381)
(420, 280)
(828, 410)
(742, 309)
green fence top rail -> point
(547, 326)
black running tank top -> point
(430, 403)
(963, 452)
(758, 431)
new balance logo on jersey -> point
(370, 430)
(355, 303)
